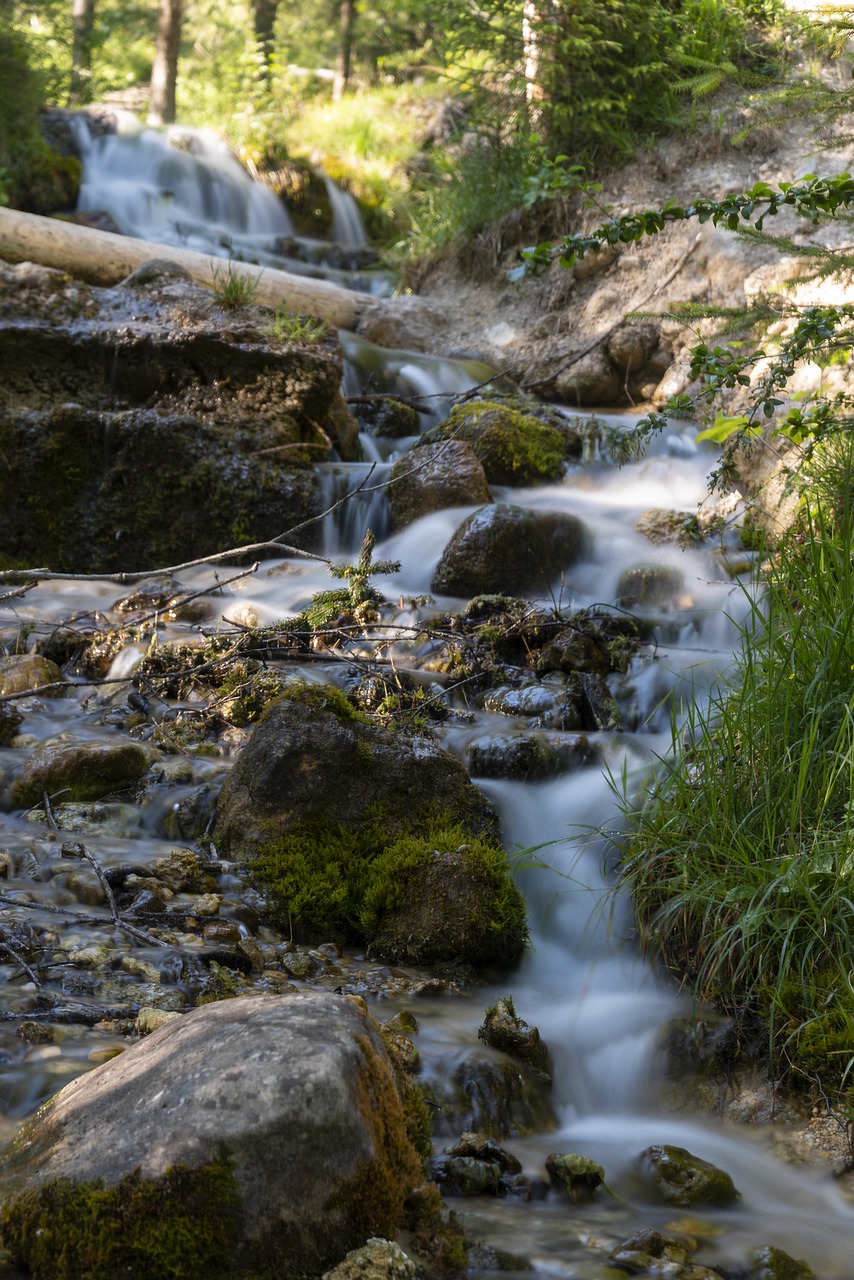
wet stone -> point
(504, 1030)
(578, 1175)
(680, 1178)
(466, 1175)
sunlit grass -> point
(740, 858)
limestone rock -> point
(283, 1109)
(578, 1175)
(503, 1029)
(591, 380)
(681, 1178)
(316, 758)
(490, 1094)
(508, 549)
(433, 477)
(363, 835)
(377, 1260)
(520, 757)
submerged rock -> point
(681, 1178)
(264, 1134)
(493, 1096)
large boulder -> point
(252, 1136)
(434, 477)
(508, 549)
(145, 424)
(364, 835)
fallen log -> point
(103, 258)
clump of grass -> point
(288, 326)
(232, 289)
(740, 859)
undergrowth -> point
(740, 858)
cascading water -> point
(599, 1007)
(184, 187)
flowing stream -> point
(599, 1007)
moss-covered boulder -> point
(514, 447)
(508, 549)
(678, 1177)
(250, 1137)
(360, 834)
(81, 770)
(434, 477)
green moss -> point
(394, 870)
(514, 448)
(180, 1226)
(317, 875)
(326, 880)
(374, 1197)
(245, 694)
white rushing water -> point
(598, 1005)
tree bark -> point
(83, 21)
(345, 50)
(264, 21)
(102, 258)
(164, 73)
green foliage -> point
(176, 1227)
(288, 326)
(739, 857)
(32, 176)
(360, 591)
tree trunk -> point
(264, 21)
(102, 258)
(164, 73)
(345, 50)
(83, 21)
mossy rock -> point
(683, 1179)
(81, 770)
(514, 448)
(357, 833)
(426, 903)
(268, 1139)
(493, 1095)
(177, 1227)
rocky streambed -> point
(237, 812)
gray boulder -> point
(508, 549)
(249, 1136)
